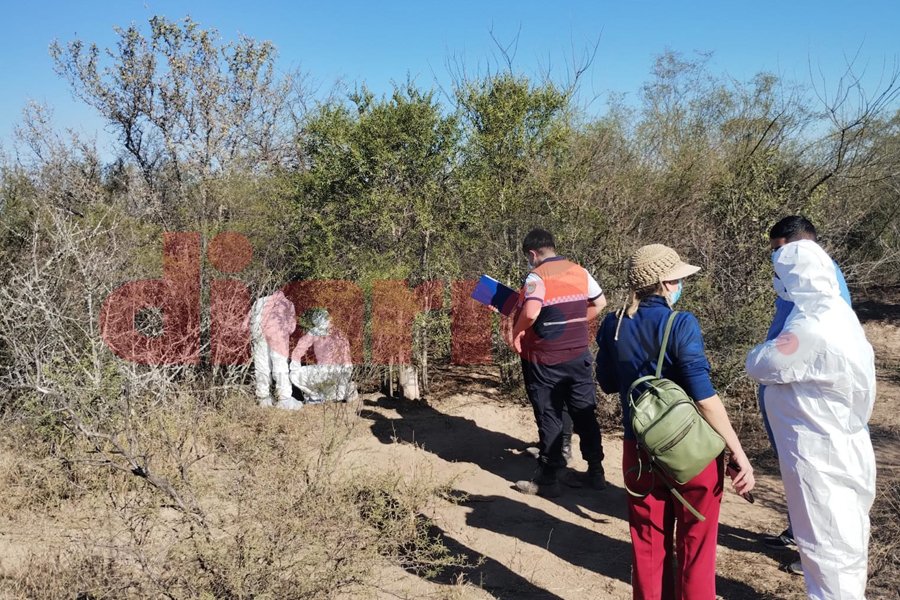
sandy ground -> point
(572, 547)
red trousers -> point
(659, 518)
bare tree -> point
(188, 107)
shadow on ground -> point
(877, 309)
(452, 438)
(571, 542)
(459, 439)
(486, 573)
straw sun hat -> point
(648, 267)
(656, 263)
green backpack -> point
(670, 429)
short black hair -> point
(538, 239)
(793, 228)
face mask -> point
(676, 295)
(320, 325)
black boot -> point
(546, 484)
(596, 477)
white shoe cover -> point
(289, 404)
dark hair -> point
(538, 239)
(793, 228)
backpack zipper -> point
(662, 416)
(681, 435)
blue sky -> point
(381, 42)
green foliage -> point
(513, 132)
(404, 187)
(187, 108)
(373, 203)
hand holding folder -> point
(491, 292)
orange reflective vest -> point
(562, 323)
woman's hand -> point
(742, 479)
(713, 411)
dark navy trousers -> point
(568, 384)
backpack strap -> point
(638, 382)
(659, 361)
(665, 342)
(687, 504)
(639, 469)
(654, 471)
(675, 493)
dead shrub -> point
(884, 546)
(230, 503)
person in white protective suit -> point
(272, 320)
(330, 378)
(820, 388)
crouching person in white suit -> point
(272, 320)
(331, 377)
(820, 388)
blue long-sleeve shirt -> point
(635, 353)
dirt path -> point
(576, 546)
(572, 547)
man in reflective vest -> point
(558, 300)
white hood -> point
(805, 274)
(321, 324)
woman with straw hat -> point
(629, 344)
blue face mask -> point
(676, 295)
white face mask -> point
(675, 294)
(320, 325)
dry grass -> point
(884, 547)
(269, 509)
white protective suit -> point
(820, 388)
(330, 379)
(272, 320)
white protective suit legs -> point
(829, 510)
(820, 388)
(272, 320)
(269, 364)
